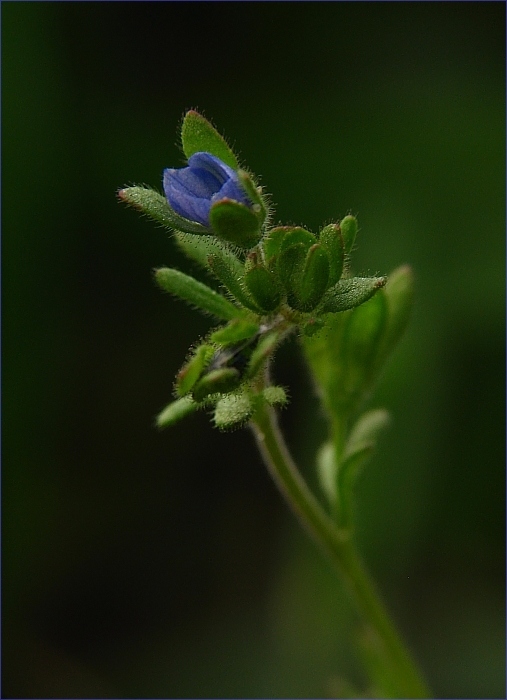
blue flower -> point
(191, 191)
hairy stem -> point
(405, 679)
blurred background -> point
(146, 564)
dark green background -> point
(138, 563)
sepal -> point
(196, 293)
(197, 134)
(192, 370)
(332, 240)
(217, 381)
(175, 411)
(234, 332)
(350, 293)
(262, 284)
(348, 228)
(235, 223)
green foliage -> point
(175, 411)
(197, 135)
(154, 205)
(194, 292)
(235, 223)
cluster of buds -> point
(277, 279)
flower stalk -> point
(405, 679)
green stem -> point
(338, 545)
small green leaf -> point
(199, 248)
(218, 381)
(157, 207)
(235, 223)
(348, 227)
(296, 234)
(196, 293)
(231, 276)
(197, 135)
(264, 287)
(275, 395)
(351, 292)
(331, 239)
(347, 473)
(272, 241)
(313, 282)
(248, 184)
(327, 469)
(234, 332)
(262, 352)
(233, 411)
(192, 370)
(290, 265)
(399, 294)
(175, 411)
(366, 430)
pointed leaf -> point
(366, 430)
(235, 223)
(399, 294)
(331, 239)
(313, 281)
(197, 134)
(157, 207)
(262, 352)
(175, 411)
(248, 184)
(231, 276)
(272, 241)
(234, 332)
(199, 248)
(217, 381)
(264, 287)
(327, 470)
(196, 293)
(348, 227)
(192, 370)
(351, 292)
(296, 234)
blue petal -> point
(213, 165)
(233, 190)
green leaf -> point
(175, 411)
(154, 205)
(296, 234)
(231, 276)
(217, 381)
(351, 292)
(235, 223)
(233, 411)
(313, 282)
(264, 287)
(327, 469)
(290, 265)
(399, 294)
(348, 227)
(332, 240)
(196, 293)
(262, 352)
(259, 206)
(197, 134)
(192, 370)
(366, 430)
(199, 248)
(234, 332)
(272, 241)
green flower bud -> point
(192, 370)
(332, 241)
(218, 381)
(348, 227)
